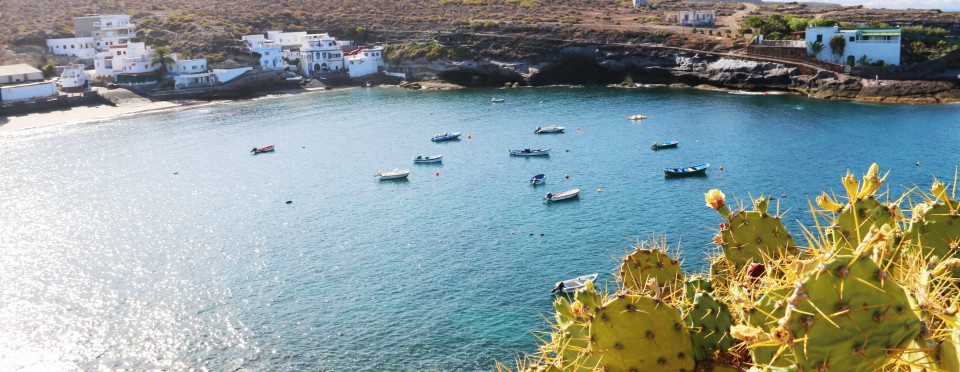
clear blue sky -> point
(948, 5)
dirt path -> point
(733, 21)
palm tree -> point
(864, 60)
(816, 48)
(162, 57)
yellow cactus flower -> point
(851, 185)
(939, 190)
(871, 182)
(760, 204)
(715, 198)
(827, 203)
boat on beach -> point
(538, 180)
(529, 152)
(392, 175)
(696, 170)
(665, 145)
(428, 159)
(550, 129)
(446, 137)
(572, 285)
(260, 150)
(637, 117)
(569, 194)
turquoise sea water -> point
(158, 242)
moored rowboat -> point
(428, 159)
(569, 194)
(392, 175)
(664, 145)
(529, 152)
(696, 170)
(572, 285)
(262, 150)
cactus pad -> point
(638, 333)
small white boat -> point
(394, 174)
(446, 136)
(497, 100)
(428, 159)
(569, 194)
(529, 152)
(538, 180)
(572, 285)
(550, 129)
(638, 117)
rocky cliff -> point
(651, 64)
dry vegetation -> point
(212, 28)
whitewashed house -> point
(93, 34)
(73, 78)
(878, 44)
(320, 53)
(190, 72)
(365, 62)
(696, 17)
(127, 64)
(270, 52)
(24, 82)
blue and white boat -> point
(538, 180)
(550, 129)
(696, 170)
(665, 145)
(572, 285)
(428, 159)
(569, 194)
(446, 137)
(529, 152)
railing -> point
(785, 43)
(861, 41)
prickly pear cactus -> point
(935, 225)
(638, 333)
(696, 284)
(750, 236)
(709, 321)
(765, 315)
(862, 211)
(847, 316)
(648, 263)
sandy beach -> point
(78, 114)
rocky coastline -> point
(652, 64)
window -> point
(819, 38)
(852, 39)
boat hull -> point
(549, 130)
(446, 137)
(572, 285)
(436, 159)
(665, 145)
(540, 152)
(566, 195)
(696, 170)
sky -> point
(947, 5)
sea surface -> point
(159, 242)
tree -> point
(797, 24)
(816, 48)
(864, 60)
(362, 34)
(823, 22)
(162, 57)
(837, 45)
(49, 69)
(754, 23)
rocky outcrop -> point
(649, 64)
(831, 85)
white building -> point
(365, 62)
(320, 53)
(28, 91)
(877, 44)
(128, 63)
(94, 33)
(19, 73)
(696, 17)
(637, 3)
(190, 72)
(270, 52)
(73, 79)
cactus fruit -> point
(753, 236)
(638, 333)
(846, 316)
(862, 211)
(709, 321)
(647, 263)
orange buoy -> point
(721, 167)
(437, 174)
(469, 136)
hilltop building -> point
(877, 44)
(696, 17)
(94, 33)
